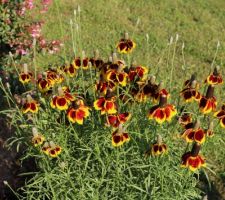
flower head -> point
(158, 148)
(193, 160)
(119, 137)
(106, 104)
(25, 76)
(62, 101)
(116, 120)
(215, 78)
(77, 112)
(163, 111)
(208, 103)
(51, 149)
(194, 133)
(37, 138)
(30, 105)
(125, 45)
(221, 116)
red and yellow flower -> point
(30, 105)
(116, 120)
(158, 148)
(192, 160)
(51, 149)
(63, 100)
(137, 73)
(163, 111)
(119, 137)
(221, 116)
(44, 85)
(69, 70)
(208, 103)
(25, 76)
(215, 78)
(194, 134)
(125, 45)
(185, 119)
(78, 112)
(78, 63)
(37, 138)
(106, 105)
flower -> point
(208, 103)
(44, 85)
(37, 138)
(194, 133)
(69, 70)
(78, 62)
(106, 104)
(30, 105)
(51, 149)
(96, 62)
(62, 101)
(116, 120)
(190, 93)
(102, 87)
(125, 45)
(192, 159)
(25, 76)
(78, 112)
(119, 137)
(221, 116)
(163, 111)
(137, 73)
(158, 148)
(185, 119)
(215, 78)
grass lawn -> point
(183, 36)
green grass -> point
(93, 168)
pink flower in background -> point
(29, 4)
(54, 46)
(4, 1)
(35, 30)
(45, 5)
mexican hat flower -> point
(190, 92)
(185, 119)
(194, 134)
(215, 78)
(25, 76)
(125, 45)
(163, 111)
(51, 149)
(106, 104)
(158, 148)
(192, 160)
(53, 77)
(30, 105)
(69, 70)
(119, 136)
(37, 138)
(81, 62)
(117, 77)
(102, 87)
(116, 120)
(137, 73)
(96, 62)
(62, 100)
(78, 112)
(221, 116)
(44, 85)
(208, 103)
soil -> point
(10, 166)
